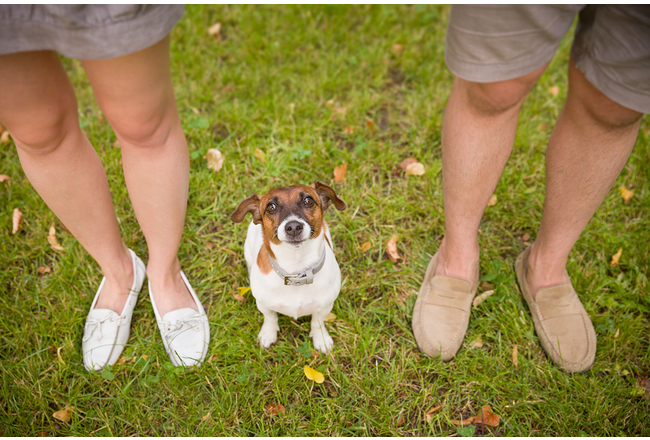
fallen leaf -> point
(617, 333)
(626, 194)
(215, 29)
(525, 237)
(42, 270)
(482, 297)
(401, 419)
(238, 297)
(371, 124)
(406, 162)
(274, 409)
(329, 103)
(493, 200)
(314, 375)
(515, 356)
(397, 49)
(486, 286)
(365, 247)
(462, 422)
(4, 137)
(415, 169)
(543, 126)
(258, 153)
(554, 90)
(215, 159)
(616, 257)
(63, 415)
(485, 416)
(213, 358)
(243, 290)
(429, 414)
(340, 172)
(476, 343)
(51, 238)
(391, 250)
(330, 317)
(17, 221)
(4, 178)
(205, 417)
(195, 110)
(348, 130)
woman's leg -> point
(135, 93)
(39, 108)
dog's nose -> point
(293, 228)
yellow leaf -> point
(554, 90)
(515, 356)
(493, 200)
(616, 257)
(330, 317)
(17, 220)
(51, 238)
(391, 250)
(626, 194)
(482, 297)
(215, 159)
(243, 290)
(365, 247)
(63, 415)
(258, 153)
(415, 169)
(314, 375)
(340, 172)
(4, 178)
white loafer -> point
(185, 332)
(106, 333)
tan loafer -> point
(561, 322)
(441, 313)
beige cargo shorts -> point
(487, 43)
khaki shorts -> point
(611, 45)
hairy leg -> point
(590, 144)
(39, 108)
(136, 94)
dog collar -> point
(305, 276)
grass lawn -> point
(288, 81)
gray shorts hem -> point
(98, 42)
(485, 73)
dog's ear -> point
(327, 194)
(252, 205)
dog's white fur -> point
(273, 297)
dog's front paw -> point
(323, 342)
(268, 336)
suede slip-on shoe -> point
(561, 322)
(106, 333)
(185, 332)
(441, 313)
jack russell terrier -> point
(290, 259)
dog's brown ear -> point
(252, 205)
(327, 194)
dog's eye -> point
(271, 208)
(308, 201)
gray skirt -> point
(85, 31)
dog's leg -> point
(322, 340)
(269, 332)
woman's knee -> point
(148, 128)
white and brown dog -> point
(290, 259)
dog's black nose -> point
(293, 228)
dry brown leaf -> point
(329, 103)
(462, 422)
(365, 247)
(415, 169)
(51, 238)
(554, 90)
(617, 333)
(486, 286)
(330, 317)
(525, 237)
(397, 49)
(4, 178)
(626, 194)
(215, 29)
(391, 250)
(215, 159)
(401, 419)
(64, 415)
(17, 221)
(429, 414)
(4, 137)
(616, 257)
(482, 297)
(238, 297)
(371, 124)
(340, 172)
(406, 162)
(485, 416)
(348, 130)
(205, 417)
(258, 153)
(476, 343)
(493, 200)
(213, 358)
(42, 270)
(515, 356)
(274, 409)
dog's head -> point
(291, 214)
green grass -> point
(266, 86)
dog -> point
(290, 257)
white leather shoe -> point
(185, 332)
(106, 333)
